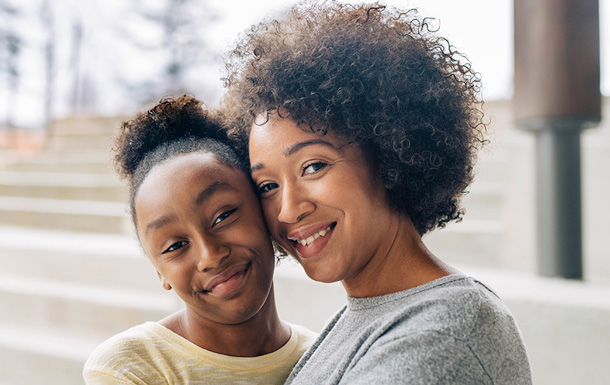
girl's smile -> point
(200, 223)
(228, 282)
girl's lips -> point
(228, 281)
(313, 245)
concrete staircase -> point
(72, 273)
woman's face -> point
(321, 201)
(200, 224)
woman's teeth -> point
(312, 238)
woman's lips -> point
(228, 281)
(312, 245)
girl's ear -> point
(164, 283)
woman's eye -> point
(223, 216)
(175, 246)
(266, 187)
(313, 168)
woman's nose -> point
(295, 204)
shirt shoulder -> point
(450, 305)
(305, 337)
(127, 357)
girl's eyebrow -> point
(204, 195)
(211, 190)
(159, 222)
(295, 148)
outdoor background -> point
(71, 271)
(58, 57)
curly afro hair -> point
(173, 127)
(377, 76)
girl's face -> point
(321, 201)
(200, 224)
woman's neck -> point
(402, 262)
(262, 334)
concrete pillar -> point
(557, 95)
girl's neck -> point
(262, 334)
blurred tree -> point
(10, 49)
(176, 31)
(48, 25)
(75, 64)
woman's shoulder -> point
(454, 305)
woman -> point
(361, 129)
(199, 222)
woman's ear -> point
(164, 282)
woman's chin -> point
(321, 275)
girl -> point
(199, 222)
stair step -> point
(97, 259)
(484, 201)
(80, 307)
(87, 125)
(98, 167)
(67, 142)
(42, 356)
(83, 161)
(65, 156)
(62, 185)
(492, 166)
(75, 215)
(471, 242)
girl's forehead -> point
(197, 168)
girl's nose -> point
(211, 253)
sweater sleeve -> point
(425, 358)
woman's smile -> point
(321, 200)
(309, 246)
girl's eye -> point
(313, 168)
(223, 216)
(266, 187)
(175, 246)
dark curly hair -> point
(377, 76)
(172, 127)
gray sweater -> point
(453, 330)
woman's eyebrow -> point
(295, 148)
(298, 146)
